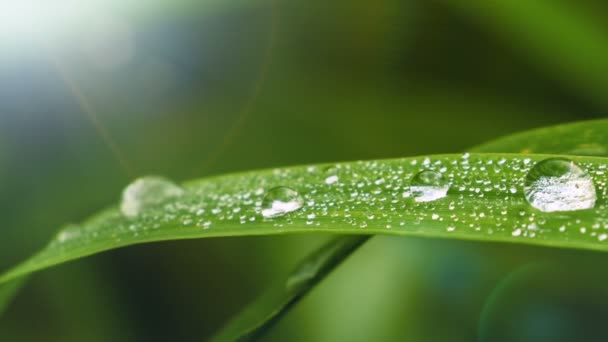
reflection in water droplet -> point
(145, 192)
(427, 186)
(558, 184)
(280, 201)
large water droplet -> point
(558, 184)
(280, 201)
(427, 186)
(145, 192)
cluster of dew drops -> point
(396, 195)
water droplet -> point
(68, 233)
(280, 201)
(427, 186)
(331, 179)
(145, 192)
(558, 184)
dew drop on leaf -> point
(427, 186)
(280, 201)
(145, 192)
(331, 179)
(69, 232)
(558, 184)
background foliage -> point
(217, 88)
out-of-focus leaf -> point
(258, 317)
(561, 37)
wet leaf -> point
(484, 201)
(260, 315)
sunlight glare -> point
(25, 20)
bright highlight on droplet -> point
(428, 186)
(145, 192)
(558, 184)
(280, 201)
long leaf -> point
(276, 302)
(485, 202)
(9, 290)
(266, 310)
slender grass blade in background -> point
(8, 291)
(260, 316)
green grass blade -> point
(368, 198)
(587, 138)
(8, 292)
(270, 307)
(485, 202)
(261, 314)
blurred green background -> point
(188, 89)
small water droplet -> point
(68, 233)
(558, 184)
(516, 232)
(145, 192)
(427, 186)
(331, 179)
(280, 201)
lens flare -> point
(28, 20)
